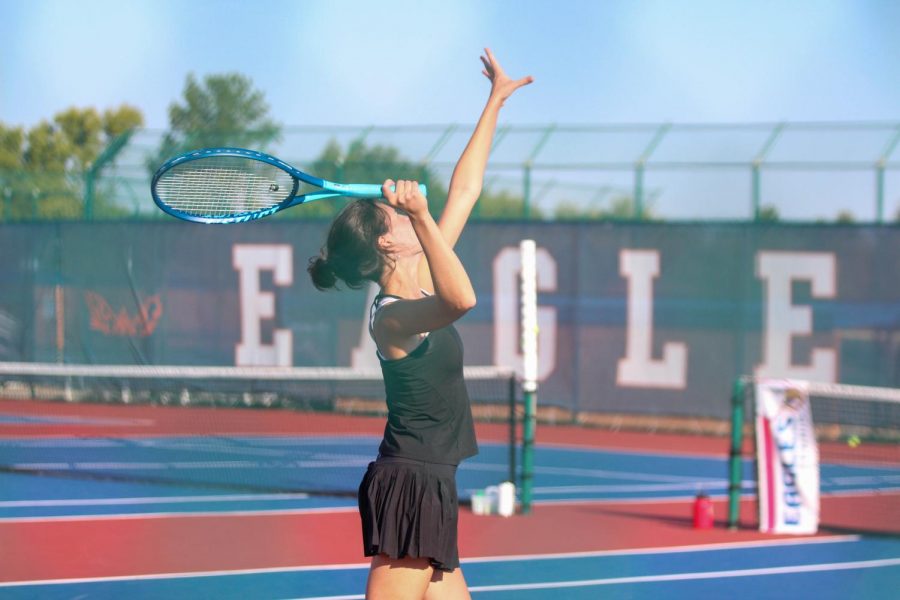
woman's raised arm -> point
(468, 176)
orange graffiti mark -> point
(109, 322)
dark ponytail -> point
(351, 252)
(322, 274)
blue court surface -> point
(838, 566)
(822, 568)
(97, 476)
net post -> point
(528, 252)
(734, 459)
(512, 428)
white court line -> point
(74, 420)
(635, 451)
(348, 462)
(655, 477)
(692, 486)
(286, 497)
(133, 501)
(862, 479)
(861, 493)
(802, 541)
(149, 500)
(486, 559)
(860, 564)
(630, 500)
(182, 515)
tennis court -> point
(668, 269)
(82, 483)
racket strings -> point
(220, 186)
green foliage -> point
(118, 121)
(620, 209)
(373, 164)
(222, 110)
(42, 171)
(367, 164)
(768, 214)
(845, 217)
(504, 205)
(11, 149)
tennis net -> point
(857, 430)
(266, 430)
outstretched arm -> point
(468, 176)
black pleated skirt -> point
(409, 508)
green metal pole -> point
(529, 341)
(7, 204)
(512, 429)
(90, 176)
(638, 190)
(526, 192)
(757, 165)
(734, 461)
(640, 166)
(880, 166)
(528, 428)
(756, 192)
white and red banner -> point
(787, 458)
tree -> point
(845, 217)
(504, 205)
(42, 171)
(373, 164)
(620, 209)
(222, 110)
(367, 164)
(768, 214)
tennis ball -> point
(853, 441)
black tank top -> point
(429, 414)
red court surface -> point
(107, 547)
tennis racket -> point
(233, 185)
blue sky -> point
(396, 62)
(399, 61)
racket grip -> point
(373, 190)
(422, 189)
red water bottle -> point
(703, 512)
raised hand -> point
(502, 86)
(405, 196)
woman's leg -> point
(398, 578)
(447, 585)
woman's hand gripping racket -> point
(233, 185)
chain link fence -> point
(814, 172)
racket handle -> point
(364, 190)
(422, 189)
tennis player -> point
(407, 498)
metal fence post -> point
(90, 175)
(757, 165)
(526, 190)
(879, 175)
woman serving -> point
(407, 498)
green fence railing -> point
(754, 171)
